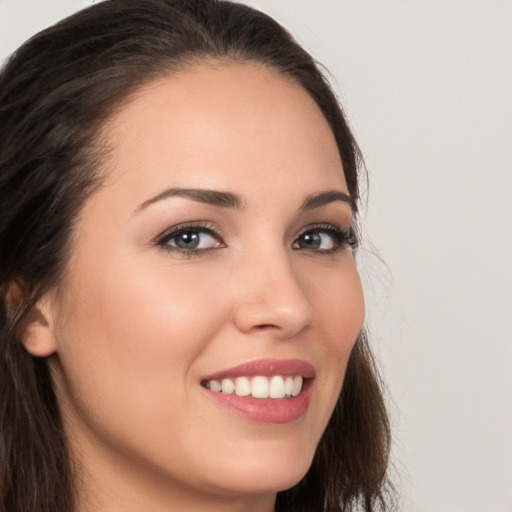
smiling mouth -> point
(277, 387)
(268, 391)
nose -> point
(271, 298)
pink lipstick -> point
(267, 390)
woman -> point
(181, 312)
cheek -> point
(127, 327)
(341, 309)
(145, 310)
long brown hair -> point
(56, 92)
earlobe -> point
(35, 330)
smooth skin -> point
(145, 310)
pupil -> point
(187, 240)
(311, 240)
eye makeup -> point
(196, 238)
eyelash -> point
(342, 238)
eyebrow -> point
(229, 200)
(211, 197)
(330, 196)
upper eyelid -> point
(325, 226)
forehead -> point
(220, 125)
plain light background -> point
(427, 88)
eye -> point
(326, 239)
(315, 240)
(190, 239)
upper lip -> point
(266, 368)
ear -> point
(36, 330)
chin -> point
(275, 471)
(268, 481)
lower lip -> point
(266, 410)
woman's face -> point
(216, 254)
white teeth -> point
(215, 385)
(276, 387)
(228, 386)
(259, 387)
(242, 386)
(288, 385)
(297, 385)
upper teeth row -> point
(258, 387)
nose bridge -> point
(271, 296)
